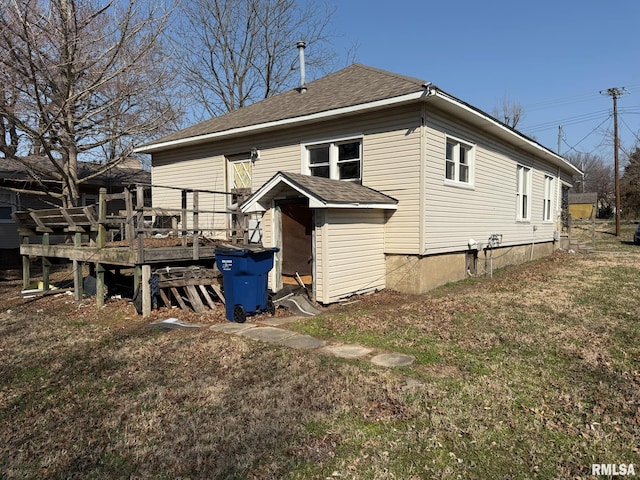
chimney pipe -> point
(301, 46)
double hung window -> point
(523, 194)
(459, 162)
(548, 204)
(338, 160)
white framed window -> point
(7, 205)
(523, 194)
(459, 162)
(340, 160)
(548, 195)
(239, 171)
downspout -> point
(429, 90)
(422, 179)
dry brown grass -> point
(531, 374)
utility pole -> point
(559, 138)
(614, 93)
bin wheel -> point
(271, 308)
(239, 315)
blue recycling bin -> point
(244, 278)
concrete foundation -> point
(414, 274)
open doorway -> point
(297, 241)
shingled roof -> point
(354, 88)
(321, 192)
(354, 85)
(127, 173)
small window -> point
(89, 199)
(548, 195)
(523, 193)
(7, 205)
(458, 162)
(240, 171)
(340, 160)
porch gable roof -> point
(320, 192)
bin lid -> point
(240, 250)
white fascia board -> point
(253, 205)
(281, 123)
(381, 206)
(518, 138)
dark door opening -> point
(297, 229)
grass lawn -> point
(534, 373)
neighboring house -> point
(583, 205)
(367, 179)
(14, 177)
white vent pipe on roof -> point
(301, 46)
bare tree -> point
(80, 80)
(630, 186)
(598, 178)
(241, 51)
(509, 112)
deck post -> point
(196, 233)
(77, 269)
(26, 271)
(137, 274)
(46, 264)
(140, 228)
(99, 285)
(130, 232)
(102, 216)
(146, 291)
(183, 218)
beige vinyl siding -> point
(349, 253)
(391, 144)
(391, 158)
(321, 287)
(196, 168)
(453, 215)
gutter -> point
(504, 130)
(282, 123)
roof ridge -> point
(389, 73)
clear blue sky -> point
(552, 57)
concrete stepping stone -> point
(232, 327)
(267, 334)
(304, 342)
(347, 351)
(393, 360)
(277, 321)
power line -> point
(584, 138)
(586, 117)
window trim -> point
(334, 163)
(528, 171)
(231, 161)
(470, 148)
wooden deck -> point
(81, 236)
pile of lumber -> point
(192, 288)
